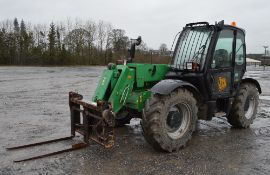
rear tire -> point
(244, 108)
(168, 121)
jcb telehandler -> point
(204, 77)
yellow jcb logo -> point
(222, 83)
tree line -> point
(73, 42)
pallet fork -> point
(95, 121)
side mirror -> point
(138, 40)
(134, 43)
(220, 25)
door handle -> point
(212, 78)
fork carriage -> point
(92, 120)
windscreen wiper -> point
(200, 51)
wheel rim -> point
(178, 120)
(249, 107)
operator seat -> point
(221, 58)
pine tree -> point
(52, 40)
(2, 48)
(16, 26)
(16, 41)
(58, 41)
(24, 42)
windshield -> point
(192, 46)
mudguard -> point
(164, 87)
(253, 81)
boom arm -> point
(127, 85)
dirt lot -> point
(34, 105)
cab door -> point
(240, 59)
(221, 68)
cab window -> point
(223, 51)
(239, 55)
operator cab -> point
(210, 57)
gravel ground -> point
(34, 105)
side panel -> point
(137, 100)
(103, 85)
(145, 77)
(149, 72)
(123, 87)
(220, 83)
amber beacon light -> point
(233, 24)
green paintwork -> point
(122, 88)
(103, 84)
(137, 100)
(128, 85)
(148, 72)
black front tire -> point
(158, 109)
(244, 108)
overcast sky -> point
(157, 21)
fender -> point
(164, 87)
(253, 81)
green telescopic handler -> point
(206, 76)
